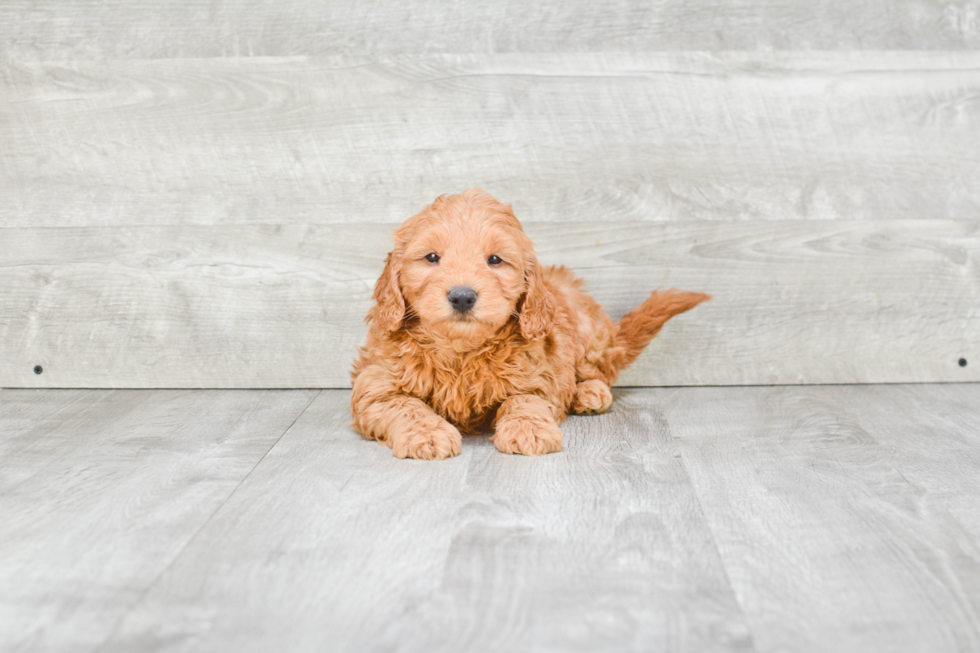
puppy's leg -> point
(404, 423)
(591, 397)
(526, 424)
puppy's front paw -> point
(428, 441)
(591, 397)
(528, 435)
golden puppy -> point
(468, 330)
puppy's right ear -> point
(389, 305)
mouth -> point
(467, 321)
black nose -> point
(462, 298)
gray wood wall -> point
(201, 194)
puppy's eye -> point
(495, 260)
(432, 258)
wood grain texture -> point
(199, 28)
(100, 491)
(333, 544)
(282, 306)
(829, 545)
(734, 519)
(738, 519)
(933, 440)
(605, 137)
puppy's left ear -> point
(538, 307)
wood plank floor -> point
(828, 518)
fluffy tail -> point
(638, 327)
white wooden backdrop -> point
(200, 195)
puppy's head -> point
(464, 268)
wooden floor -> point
(822, 518)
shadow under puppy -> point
(468, 329)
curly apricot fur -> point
(533, 348)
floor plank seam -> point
(204, 524)
(714, 538)
(13, 488)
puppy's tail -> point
(638, 327)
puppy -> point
(468, 330)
